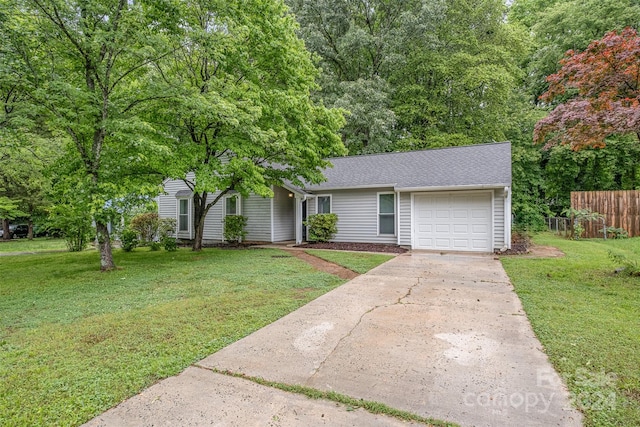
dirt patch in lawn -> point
(534, 251)
(323, 265)
(360, 247)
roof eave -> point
(452, 187)
(350, 187)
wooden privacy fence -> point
(621, 209)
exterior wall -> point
(498, 219)
(405, 219)
(357, 212)
(284, 220)
(168, 204)
(213, 224)
(168, 208)
(257, 210)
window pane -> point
(324, 204)
(387, 224)
(183, 215)
(232, 204)
(184, 223)
(386, 203)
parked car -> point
(20, 231)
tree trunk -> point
(30, 233)
(5, 229)
(199, 234)
(104, 246)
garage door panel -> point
(479, 228)
(452, 221)
(443, 228)
(425, 228)
(460, 214)
(480, 213)
(480, 244)
(460, 228)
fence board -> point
(621, 209)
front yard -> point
(74, 341)
(588, 320)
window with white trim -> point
(386, 213)
(183, 215)
(232, 205)
(324, 204)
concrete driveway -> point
(442, 336)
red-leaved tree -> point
(602, 87)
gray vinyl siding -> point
(257, 210)
(498, 218)
(168, 204)
(405, 219)
(357, 212)
(213, 221)
(311, 206)
(284, 219)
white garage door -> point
(453, 221)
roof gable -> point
(467, 166)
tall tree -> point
(599, 90)
(242, 117)
(355, 41)
(458, 79)
(560, 25)
(412, 73)
(87, 61)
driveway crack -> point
(348, 334)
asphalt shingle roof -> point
(473, 165)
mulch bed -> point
(516, 249)
(364, 247)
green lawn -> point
(74, 341)
(588, 319)
(359, 262)
(36, 245)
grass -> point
(40, 244)
(75, 342)
(348, 401)
(359, 262)
(588, 319)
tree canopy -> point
(242, 118)
(599, 92)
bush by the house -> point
(322, 227)
(128, 239)
(234, 228)
(153, 231)
(170, 243)
(146, 226)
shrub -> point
(322, 227)
(166, 228)
(617, 233)
(234, 228)
(146, 226)
(170, 243)
(128, 239)
(74, 222)
(630, 267)
(155, 246)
